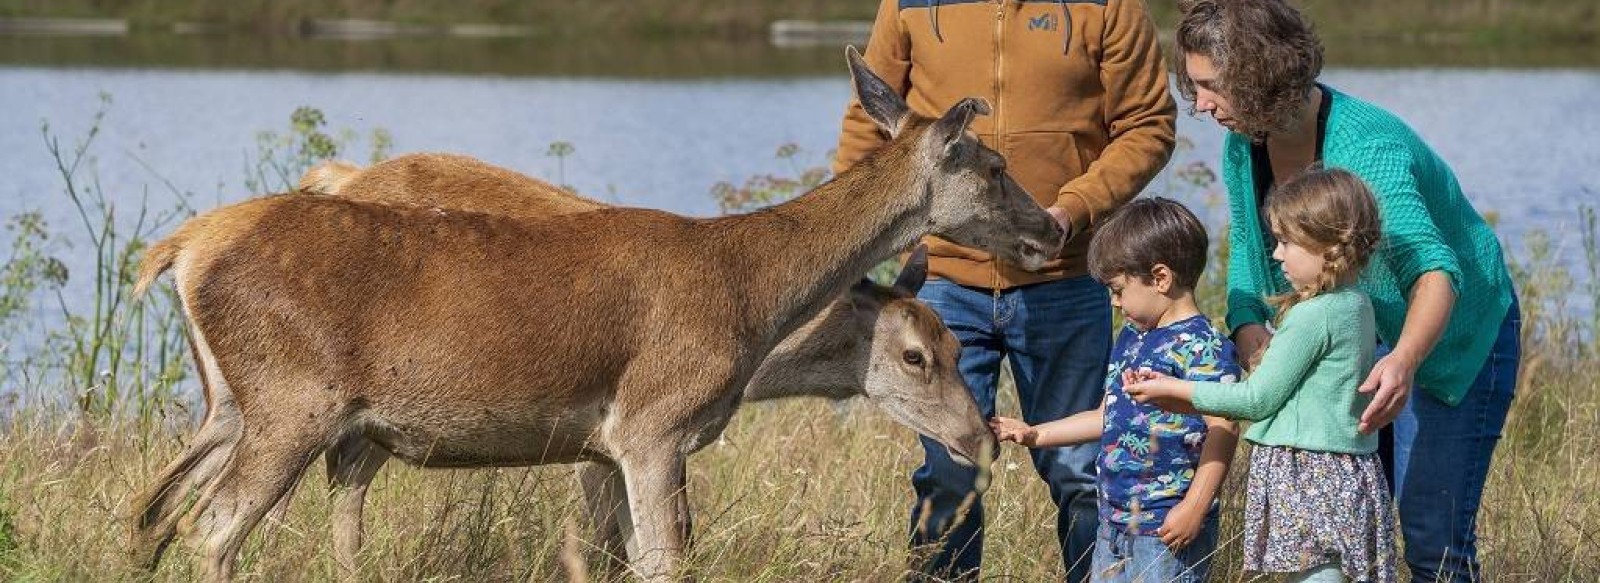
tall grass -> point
(799, 490)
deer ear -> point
(882, 103)
(915, 271)
(949, 129)
(863, 298)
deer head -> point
(974, 202)
(880, 342)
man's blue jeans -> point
(1057, 336)
(1439, 459)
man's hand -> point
(1065, 221)
(1182, 525)
(1391, 379)
(1250, 339)
(1013, 430)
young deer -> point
(458, 339)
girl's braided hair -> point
(1331, 211)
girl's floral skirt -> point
(1307, 508)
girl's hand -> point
(1013, 430)
(1182, 525)
(1133, 377)
(1167, 393)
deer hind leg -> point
(605, 496)
(159, 508)
(657, 501)
(352, 464)
(269, 458)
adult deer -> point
(468, 339)
(827, 357)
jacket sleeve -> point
(1247, 294)
(1288, 361)
(1140, 113)
(888, 54)
(1412, 243)
(1247, 259)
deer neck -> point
(805, 252)
(821, 358)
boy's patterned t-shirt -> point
(1148, 456)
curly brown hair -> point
(1266, 55)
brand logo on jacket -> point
(1046, 21)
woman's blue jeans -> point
(1438, 458)
(1057, 337)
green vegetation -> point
(1468, 21)
(799, 491)
(697, 37)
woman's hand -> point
(1165, 392)
(1013, 430)
(1390, 381)
(1250, 340)
(1432, 298)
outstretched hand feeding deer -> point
(467, 339)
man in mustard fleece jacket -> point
(1083, 116)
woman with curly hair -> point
(1440, 290)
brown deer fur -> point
(456, 339)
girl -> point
(1318, 502)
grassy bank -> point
(1464, 22)
(799, 493)
(801, 490)
(659, 38)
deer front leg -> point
(657, 500)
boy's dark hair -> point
(1149, 232)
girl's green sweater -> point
(1303, 394)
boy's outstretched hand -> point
(1013, 430)
(1160, 390)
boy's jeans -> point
(1123, 557)
(1439, 457)
(1057, 336)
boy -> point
(1158, 471)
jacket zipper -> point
(999, 70)
(999, 125)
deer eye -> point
(913, 357)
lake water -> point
(1523, 142)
